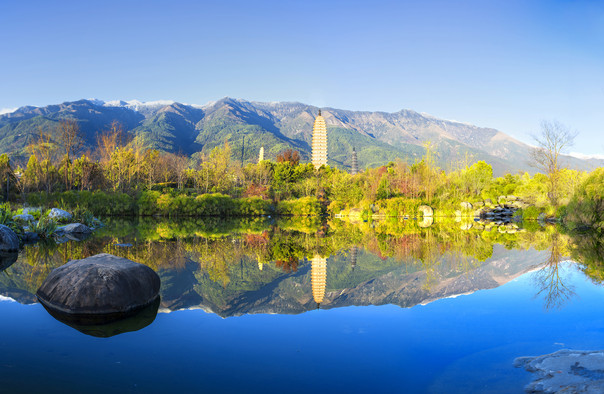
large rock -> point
(103, 285)
(9, 242)
(59, 214)
(24, 217)
(74, 228)
(568, 371)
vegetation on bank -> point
(123, 178)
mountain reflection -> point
(255, 266)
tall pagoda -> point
(319, 142)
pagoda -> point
(355, 163)
(319, 142)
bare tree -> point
(70, 140)
(554, 140)
(549, 279)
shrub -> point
(253, 206)
(45, 227)
(305, 206)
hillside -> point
(378, 137)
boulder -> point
(568, 371)
(24, 217)
(104, 286)
(29, 210)
(59, 214)
(466, 205)
(74, 228)
(9, 242)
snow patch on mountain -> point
(4, 111)
(136, 104)
(586, 157)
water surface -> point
(256, 306)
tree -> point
(44, 148)
(6, 174)
(289, 155)
(477, 177)
(554, 140)
(70, 140)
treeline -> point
(122, 176)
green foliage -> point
(305, 206)
(98, 202)
(45, 227)
(6, 217)
(253, 206)
(400, 206)
(586, 208)
(532, 213)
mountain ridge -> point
(379, 137)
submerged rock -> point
(9, 242)
(104, 286)
(59, 214)
(570, 371)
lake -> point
(296, 306)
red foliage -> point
(290, 155)
(254, 190)
(289, 265)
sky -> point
(504, 64)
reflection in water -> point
(354, 251)
(7, 259)
(104, 326)
(549, 280)
(238, 267)
(319, 278)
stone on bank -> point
(59, 214)
(9, 242)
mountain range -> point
(378, 137)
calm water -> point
(299, 307)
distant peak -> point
(136, 103)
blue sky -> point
(502, 64)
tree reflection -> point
(549, 280)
